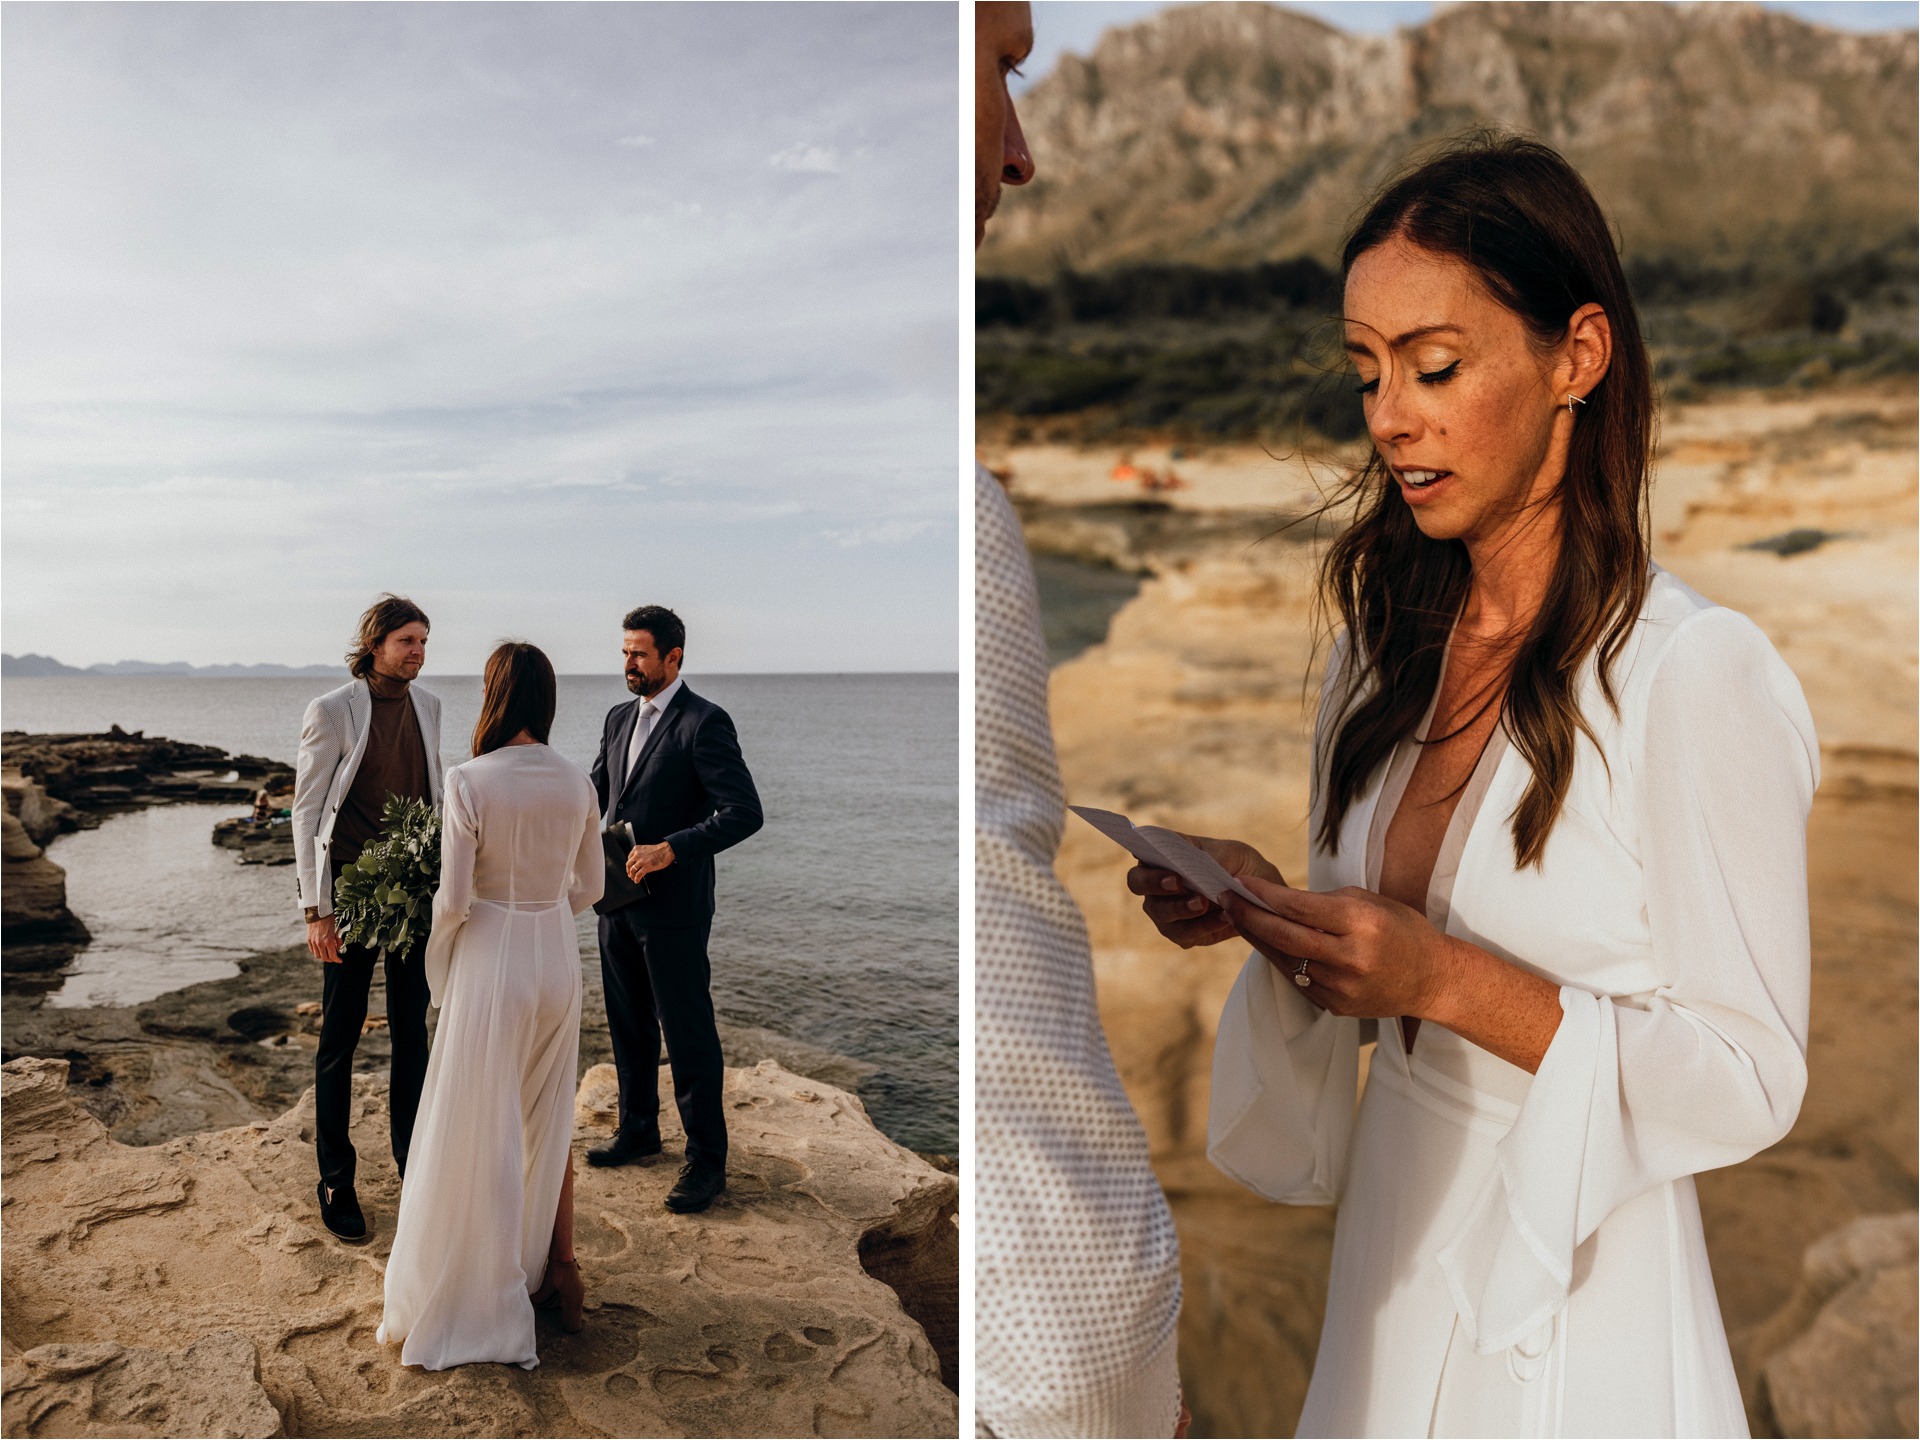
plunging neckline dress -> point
(1522, 1254)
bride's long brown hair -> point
(518, 694)
(1523, 219)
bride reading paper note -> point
(1557, 868)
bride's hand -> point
(1365, 955)
(1182, 916)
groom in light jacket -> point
(377, 735)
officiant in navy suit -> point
(670, 767)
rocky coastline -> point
(55, 784)
(187, 1288)
(138, 1089)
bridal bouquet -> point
(383, 899)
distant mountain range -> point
(1229, 134)
(30, 666)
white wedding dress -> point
(520, 856)
(1522, 1254)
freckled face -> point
(1458, 399)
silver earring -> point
(1573, 400)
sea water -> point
(837, 924)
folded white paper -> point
(1170, 851)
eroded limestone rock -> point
(43, 816)
(210, 1388)
(33, 890)
(755, 1318)
(1850, 1364)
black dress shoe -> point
(696, 1187)
(625, 1149)
(341, 1214)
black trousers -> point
(343, 1012)
(656, 981)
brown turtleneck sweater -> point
(395, 763)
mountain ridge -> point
(1239, 132)
(33, 666)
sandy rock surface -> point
(1196, 714)
(210, 1388)
(33, 889)
(189, 1288)
(27, 800)
(1845, 1342)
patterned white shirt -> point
(1077, 1267)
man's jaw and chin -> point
(983, 208)
(645, 688)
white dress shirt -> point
(1077, 1267)
(649, 716)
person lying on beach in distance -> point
(1558, 862)
(377, 735)
(1077, 1267)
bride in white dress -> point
(487, 1208)
(1558, 867)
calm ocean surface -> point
(838, 924)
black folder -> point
(617, 841)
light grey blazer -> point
(333, 738)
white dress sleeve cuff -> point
(1285, 1078)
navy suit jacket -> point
(690, 788)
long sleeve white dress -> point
(1523, 1255)
(520, 857)
(1076, 1263)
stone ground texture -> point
(188, 1288)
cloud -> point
(638, 142)
(309, 302)
(884, 532)
(807, 160)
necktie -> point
(642, 727)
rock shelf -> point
(56, 784)
(189, 1288)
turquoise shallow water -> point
(838, 924)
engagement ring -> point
(1300, 976)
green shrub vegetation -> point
(1253, 353)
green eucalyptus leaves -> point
(384, 899)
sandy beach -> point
(1215, 663)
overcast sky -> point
(534, 312)
(1074, 25)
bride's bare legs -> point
(562, 1247)
(563, 1285)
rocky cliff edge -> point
(189, 1289)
